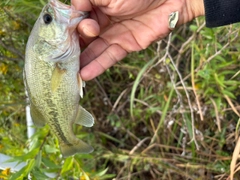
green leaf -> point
(24, 171)
(68, 165)
(137, 81)
(229, 94)
(231, 82)
(193, 28)
(31, 164)
(49, 164)
(39, 159)
(38, 174)
(51, 149)
(110, 137)
(101, 173)
(219, 80)
(29, 155)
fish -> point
(51, 75)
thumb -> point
(100, 3)
(82, 5)
(86, 5)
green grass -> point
(168, 112)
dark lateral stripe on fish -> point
(60, 132)
(55, 123)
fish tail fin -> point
(71, 149)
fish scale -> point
(51, 74)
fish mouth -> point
(68, 11)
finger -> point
(101, 18)
(117, 34)
(100, 2)
(82, 5)
(88, 28)
(95, 49)
(84, 42)
(101, 21)
(108, 58)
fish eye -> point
(47, 18)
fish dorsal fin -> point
(81, 85)
(37, 116)
(56, 77)
(84, 118)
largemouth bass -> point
(52, 78)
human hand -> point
(117, 28)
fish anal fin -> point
(71, 149)
(81, 85)
(84, 118)
(56, 77)
(37, 117)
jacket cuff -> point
(221, 12)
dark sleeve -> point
(221, 12)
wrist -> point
(190, 10)
(195, 8)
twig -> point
(161, 60)
(231, 104)
(120, 172)
(188, 98)
(194, 86)
(146, 104)
(188, 42)
(118, 99)
(237, 129)
(235, 75)
(139, 144)
(235, 157)
(103, 91)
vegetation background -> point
(171, 111)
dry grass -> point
(153, 120)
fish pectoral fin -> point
(81, 85)
(37, 117)
(56, 77)
(71, 149)
(84, 118)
